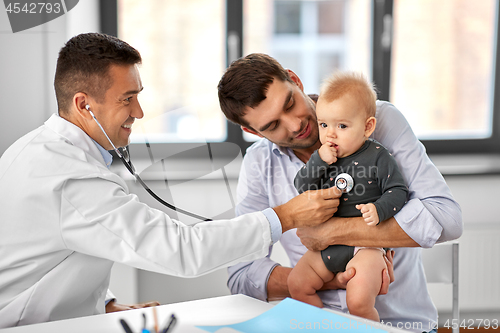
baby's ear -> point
(370, 126)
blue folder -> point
(291, 316)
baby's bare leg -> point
(364, 287)
(307, 277)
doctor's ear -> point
(81, 105)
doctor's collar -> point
(108, 158)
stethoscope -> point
(124, 156)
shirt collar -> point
(285, 151)
(279, 151)
(108, 158)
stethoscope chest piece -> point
(344, 182)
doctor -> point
(66, 218)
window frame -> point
(381, 72)
(234, 25)
(381, 77)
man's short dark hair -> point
(245, 84)
(83, 66)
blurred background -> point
(435, 60)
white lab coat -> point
(65, 218)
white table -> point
(212, 311)
(223, 310)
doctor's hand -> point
(309, 208)
(112, 306)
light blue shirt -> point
(431, 215)
(108, 158)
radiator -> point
(479, 272)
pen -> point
(144, 329)
(170, 325)
(125, 326)
(155, 316)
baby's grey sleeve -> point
(311, 175)
(392, 185)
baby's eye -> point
(323, 125)
(342, 126)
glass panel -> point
(288, 59)
(327, 63)
(333, 34)
(287, 17)
(183, 50)
(442, 66)
(331, 17)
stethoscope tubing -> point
(130, 168)
(154, 195)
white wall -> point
(27, 67)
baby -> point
(372, 184)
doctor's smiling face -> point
(99, 73)
(119, 109)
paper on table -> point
(291, 315)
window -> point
(443, 69)
(312, 38)
(182, 46)
(436, 61)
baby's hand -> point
(328, 153)
(369, 212)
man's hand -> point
(309, 208)
(340, 280)
(387, 275)
(315, 238)
(328, 153)
(355, 232)
(112, 306)
(369, 212)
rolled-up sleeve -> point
(431, 214)
(251, 278)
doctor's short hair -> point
(83, 66)
(356, 84)
(245, 84)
